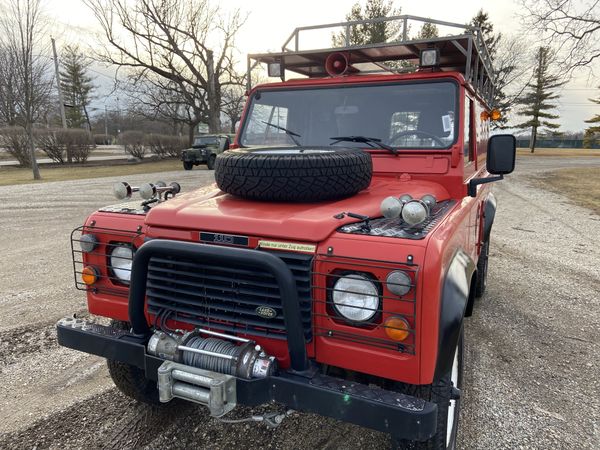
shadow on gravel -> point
(113, 421)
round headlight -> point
(356, 297)
(121, 261)
(398, 282)
(414, 212)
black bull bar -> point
(300, 388)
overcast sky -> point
(270, 22)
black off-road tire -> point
(438, 392)
(131, 380)
(299, 174)
(482, 269)
(210, 163)
(188, 165)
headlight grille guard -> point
(328, 324)
(99, 257)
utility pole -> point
(58, 86)
(61, 102)
(105, 121)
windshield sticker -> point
(291, 246)
(446, 123)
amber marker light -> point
(89, 275)
(397, 328)
(484, 115)
(495, 114)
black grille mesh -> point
(226, 297)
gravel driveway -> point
(532, 344)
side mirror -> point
(501, 154)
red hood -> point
(210, 209)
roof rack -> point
(463, 50)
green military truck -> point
(204, 150)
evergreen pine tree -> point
(537, 100)
(372, 33)
(592, 133)
(77, 86)
(500, 100)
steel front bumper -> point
(401, 415)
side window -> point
(259, 133)
(467, 130)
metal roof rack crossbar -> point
(463, 51)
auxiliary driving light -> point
(397, 328)
(88, 242)
(398, 282)
(429, 200)
(415, 212)
(405, 198)
(391, 207)
(430, 57)
(274, 69)
(89, 275)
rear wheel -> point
(187, 165)
(482, 269)
(440, 392)
(131, 380)
(211, 162)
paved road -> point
(532, 344)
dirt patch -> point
(565, 152)
(581, 185)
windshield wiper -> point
(371, 142)
(290, 133)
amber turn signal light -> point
(484, 116)
(495, 114)
(89, 275)
(397, 328)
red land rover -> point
(331, 267)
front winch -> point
(246, 360)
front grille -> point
(225, 297)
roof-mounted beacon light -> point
(430, 57)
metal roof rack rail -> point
(463, 51)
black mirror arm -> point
(472, 189)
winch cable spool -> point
(214, 363)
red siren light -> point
(338, 64)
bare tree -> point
(21, 25)
(174, 43)
(8, 98)
(570, 26)
(234, 99)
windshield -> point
(205, 140)
(408, 115)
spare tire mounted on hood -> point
(302, 174)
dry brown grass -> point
(581, 185)
(13, 175)
(568, 152)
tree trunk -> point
(232, 128)
(213, 96)
(31, 143)
(533, 139)
(191, 132)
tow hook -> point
(271, 420)
(455, 393)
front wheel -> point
(187, 165)
(131, 380)
(442, 392)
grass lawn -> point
(13, 175)
(581, 185)
(570, 152)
